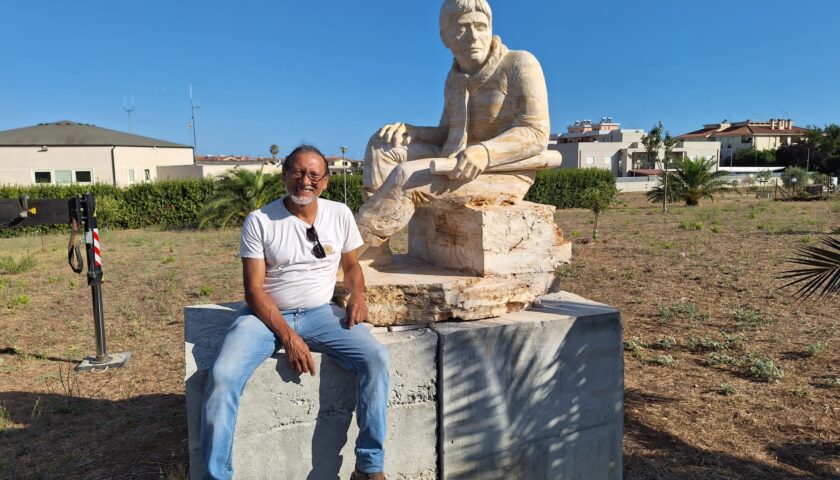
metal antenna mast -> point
(128, 109)
(193, 107)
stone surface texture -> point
(488, 239)
(533, 394)
(304, 427)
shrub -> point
(564, 188)
(761, 368)
(8, 265)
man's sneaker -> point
(357, 475)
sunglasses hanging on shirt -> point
(318, 249)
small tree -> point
(652, 143)
(598, 199)
(794, 178)
(668, 143)
(274, 150)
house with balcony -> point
(746, 135)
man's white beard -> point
(303, 201)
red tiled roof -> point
(702, 133)
(752, 130)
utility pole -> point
(193, 107)
(128, 109)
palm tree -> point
(274, 150)
(691, 181)
(238, 193)
(820, 271)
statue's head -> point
(466, 29)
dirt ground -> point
(726, 377)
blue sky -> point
(331, 72)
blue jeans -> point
(249, 342)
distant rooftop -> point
(72, 134)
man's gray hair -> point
(452, 8)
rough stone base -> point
(409, 291)
(488, 240)
(304, 427)
(534, 394)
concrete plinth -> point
(533, 394)
(304, 427)
(488, 240)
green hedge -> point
(176, 204)
(563, 188)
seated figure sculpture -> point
(494, 130)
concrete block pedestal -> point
(532, 394)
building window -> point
(607, 160)
(63, 177)
(43, 177)
(131, 175)
(590, 160)
(83, 176)
(746, 139)
(148, 174)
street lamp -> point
(344, 171)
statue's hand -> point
(471, 162)
(397, 134)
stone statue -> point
(492, 135)
(476, 249)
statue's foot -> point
(377, 256)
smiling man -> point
(495, 113)
(291, 250)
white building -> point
(606, 145)
(746, 135)
(68, 152)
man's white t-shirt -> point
(294, 278)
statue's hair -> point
(304, 148)
(451, 8)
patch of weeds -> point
(688, 225)
(205, 290)
(8, 264)
(759, 226)
(827, 381)
(575, 233)
(706, 344)
(726, 390)
(665, 343)
(748, 318)
(667, 245)
(814, 349)
(761, 368)
(168, 259)
(715, 229)
(662, 360)
(801, 393)
(681, 309)
(716, 358)
(17, 301)
(73, 283)
(5, 418)
(807, 239)
(635, 346)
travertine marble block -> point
(488, 239)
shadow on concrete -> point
(332, 423)
(54, 436)
(530, 403)
(666, 456)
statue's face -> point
(469, 37)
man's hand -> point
(397, 134)
(471, 162)
(300, 358)
(357, 310)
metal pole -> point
(344, 171)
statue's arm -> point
(528, 135)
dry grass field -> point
(726, 376)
